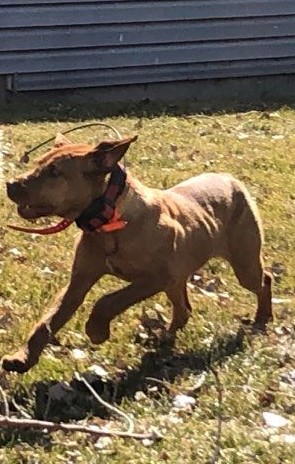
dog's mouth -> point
(34, 212)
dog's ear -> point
(108, 153)
(61, 140)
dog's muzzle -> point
(14, 190)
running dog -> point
(153, 239)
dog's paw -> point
(99, 335)
(259, 328)
(260, 324)
(16, 363)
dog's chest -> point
(119, 259)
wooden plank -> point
(107, 57)
(150, 33)
(152, 74)
(140, 11)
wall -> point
(88, 43)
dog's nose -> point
(12, 189)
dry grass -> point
(258, 147)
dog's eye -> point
(53, 171)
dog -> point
(154, 239)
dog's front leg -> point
(110, 306)
(88, 267)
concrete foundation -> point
(203, 93)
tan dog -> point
(158, 241)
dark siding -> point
(68, 44)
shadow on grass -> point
(157, 368)
(24, 108)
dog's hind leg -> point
(113, 304)
(246, 260)
(177, 294)
(253, 277)
(264, 310)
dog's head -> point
(67, 179)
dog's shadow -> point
(157, 370)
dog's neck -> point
(123, 199)
(102, 213)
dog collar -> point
(101, 215)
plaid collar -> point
(102, 213)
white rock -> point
(14, 252)
(281, 300)
(274, 420)
(139, 396)
(147, 442)
(103, 442)
(183, 401)
(78, 354)
(98, 370)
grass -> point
(256, 146)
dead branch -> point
(105, 403)
(216, 453)
(165, 384)
(20, 410)
(46, 426)
(5, 402)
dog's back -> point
(221, 195)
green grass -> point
(258, 147)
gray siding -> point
(68, 44)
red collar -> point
(101, 215)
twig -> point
(165, 384)
(20, 410)
(246, 113)
(216, 453)
(10, 422)
(5, 402)
(105, 404)
(25, 157)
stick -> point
(5, 402)
(216, 453)
(105, 404)
(20, 410)
(165, 384)
(20, 424)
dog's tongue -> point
(62, 225)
